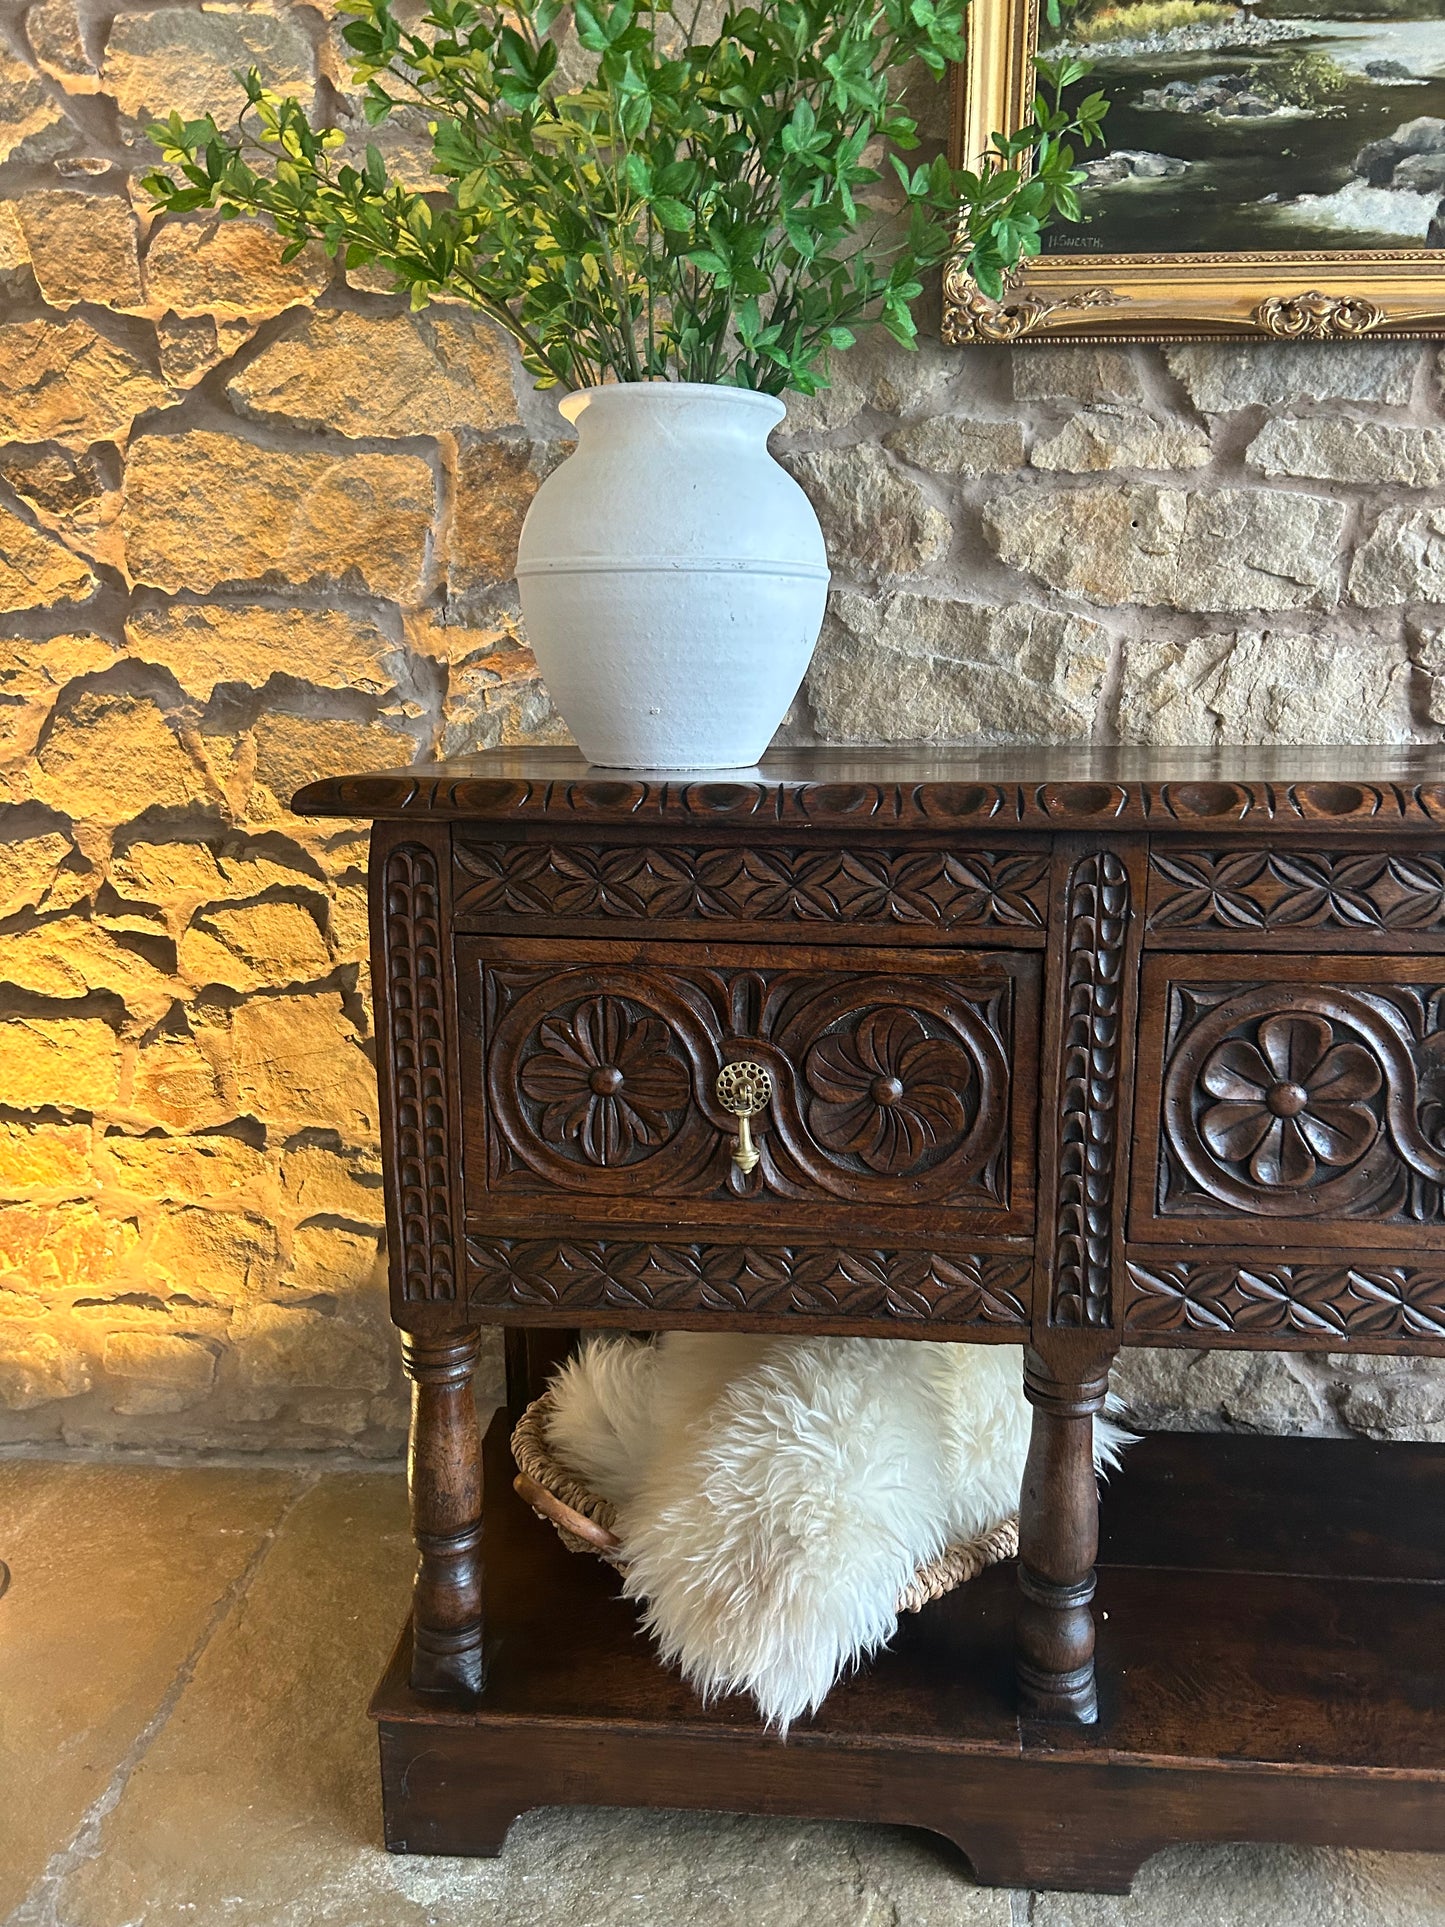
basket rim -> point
(536, 1462)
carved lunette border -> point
(1319, 295)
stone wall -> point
(256, 525)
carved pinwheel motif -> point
(1292, 1099)
(609, 1079)
(889, 1092)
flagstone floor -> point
(185, 1655)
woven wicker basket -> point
(584, 1522)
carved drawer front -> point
(995, 895)
(1291, 1102)
(590, 1087)
(1294, 899)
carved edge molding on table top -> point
(1272, 890)
(1096, 929)
(932, 888)
(583, 1274)
(924, 804)
(416, 1046)
(1332, 1303)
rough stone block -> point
(182, 1169)
(206, 644)
(317, 1182)
(160, 1372)
(67, 382)
(1219, 377)
(33, 126)
(66, 957)
(202, 265)
(40, 1158)
(292, 750)
(959, 445)
(1265, 687)
(1101, 438)
(37, 1368)
(299, 1065)
(1401, 560)
(328, 1258)
(215, 1256)
(393, 375)
(107, 758)
(910, 668)
(1056, 373)
(876, 520)
(202, 509)
(259, 946)
(175, 58)
(1217, 1391)
(1340, 451)
(1214, 549)
(37, 572)
(72, 1063)
(281, 1346)
(54, 35)
(496, 481)
(28, 870)
(82, 247)
(179, 1080)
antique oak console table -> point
(1067, 1051)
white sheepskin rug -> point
(774, 1496)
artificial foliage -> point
(726, 209)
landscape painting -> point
(1269, 166)
(1279, 124)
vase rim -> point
(572, 405)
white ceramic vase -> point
(672, 577)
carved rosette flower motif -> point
(1290, 1101)
(608, 1079)
(888, 1092)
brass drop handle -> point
(744, 1089)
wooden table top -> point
(1390, 786)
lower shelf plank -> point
(1250, 1688)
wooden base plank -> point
(1271, 1668)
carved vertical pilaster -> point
(1096, 931)
(409, 959)
(444, 1479)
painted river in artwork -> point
(1278, 126)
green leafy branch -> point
(696, 210)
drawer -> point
(902, 1103)
(1290, 1101)
(1303, 898)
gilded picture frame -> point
(1340, 295)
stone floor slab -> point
(1246, 1886)
(116, 1573)
(258, 1802)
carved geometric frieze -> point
(580, 1275)
(1330, 1301)
(934, 889)
(1305, 890)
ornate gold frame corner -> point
(1340, 296)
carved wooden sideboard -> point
(1067, 1050)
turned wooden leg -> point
(444, 1478)
(1059, 1537)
